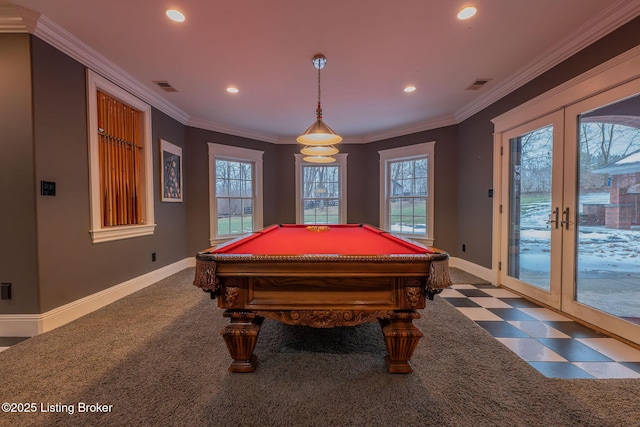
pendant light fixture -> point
(319, 138)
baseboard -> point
(28, 325)
(475, 269)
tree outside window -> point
(408, 196)
(234, 197)
(407, 183)
(321, 194)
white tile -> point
(613, 349)
(478, 313)
(531, 350)
(490, 302)
(544, 314)
(451, 293)
(500, 293)
(537, 329)
(604, 370)
(463, 287)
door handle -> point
(565, 221)
(554, 214)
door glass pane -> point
(608, 220)
(530, 205)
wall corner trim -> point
(28, 325)
(475, 269)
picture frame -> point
(171, 182)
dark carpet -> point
(158, 359)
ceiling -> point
(374, 48)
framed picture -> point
(171, 173)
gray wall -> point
(196, 169)
(17, 206)
(446, 183)
(53, 147)
(363, 192)
(475, 164)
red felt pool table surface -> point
(342, 239)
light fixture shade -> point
(319, 134)
(319, 150)
(319, 159)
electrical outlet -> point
(153, 257)
(5, 291)
(47, 188)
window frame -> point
(341, 162)
(411, 152)
(238, 154)
(98, 232)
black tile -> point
(511, 314)
(461, 302)
(573, 350)
(9, 341)
(519, 302)
(500, 329)
(473, 293)
(573, 329)
(632, 365)
(565, 370)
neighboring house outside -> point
(623, 210)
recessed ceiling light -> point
(232, 89)
(409, 88)
(467, 12)
(175, 15)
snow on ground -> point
(608, 270)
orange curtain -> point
(119, 152)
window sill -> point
(123, 232)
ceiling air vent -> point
(165, 86)
(478, 84)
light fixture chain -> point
(319, 134)
(319, 109)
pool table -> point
(323, 277)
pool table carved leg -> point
(401, 337)
(241, 336)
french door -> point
(570, 210)
(532, 209)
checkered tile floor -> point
(553, 344)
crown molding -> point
(412, 128)
(345, 140)
(243, 133)
(620, 69)
(391, 133)
(16, 19)
(616, 15)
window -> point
(406, 187)
(321, 191)
(120, 162)
(236, 191)
(234, 196)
